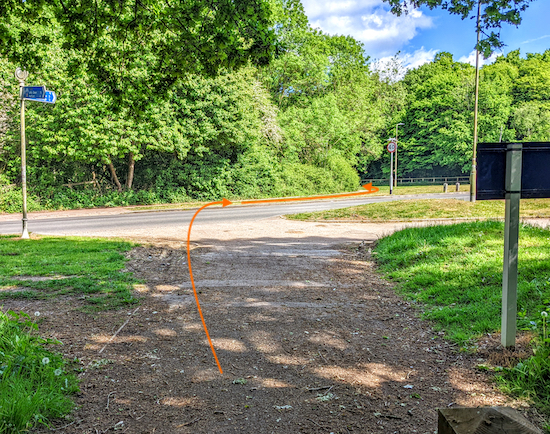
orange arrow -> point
(368, 187)
(223, 203)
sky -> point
(421, 34)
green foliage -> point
(455, 272)
(36, 384)
(145, 129)
(494, 13)
(439, 115)
(91, 269)
(438, 104)
(173, 40)
(530, 379)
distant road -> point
(141, 220)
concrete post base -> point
(489, 420)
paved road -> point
(53, 225)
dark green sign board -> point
(491, 170)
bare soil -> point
(310, 339)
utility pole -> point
(473, 174)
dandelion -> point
(544, 314)
(45, 361)
(57, 372)
(37, 313)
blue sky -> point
(423, 32)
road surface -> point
(128, 220)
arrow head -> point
(226, 202)
(370, 188)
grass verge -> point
(428, 208)
(455, 273)
(35, 384)
(51, 266)
(419, 189)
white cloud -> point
(368, 21)
(535, 40)
(418, 58)
(471, 59)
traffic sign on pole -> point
(49, 97)
(33, 92)
(392, 146)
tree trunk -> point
(131, 165)
(113, 175)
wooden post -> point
(511, 237)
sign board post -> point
(392, 147)
(22, 76)
(512, 172)
(28, 93)
(511, 239)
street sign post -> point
(392, 147)
(511, 171)
(28, 93)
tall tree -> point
(173, 38)
(495, 14)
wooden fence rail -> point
(424, 180)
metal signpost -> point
(392, 147)
(512, 171)
(28, 93)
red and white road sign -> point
(392, 146)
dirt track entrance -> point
(310, 339)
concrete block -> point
(488, 420)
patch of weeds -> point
(96, 364)
(35, 385)
(530, 378)
(21, 295)
(240, 381)
(91, 268)
(326, 397)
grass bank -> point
(427, 209)
(47, 267)
(455, 274)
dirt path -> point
(310, 339)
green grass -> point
(89, 268)
(455, 274)
(419, 189)
(455, 271)
(427, 209)
(35, 384)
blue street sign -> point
(33, 92)
(49, 97)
